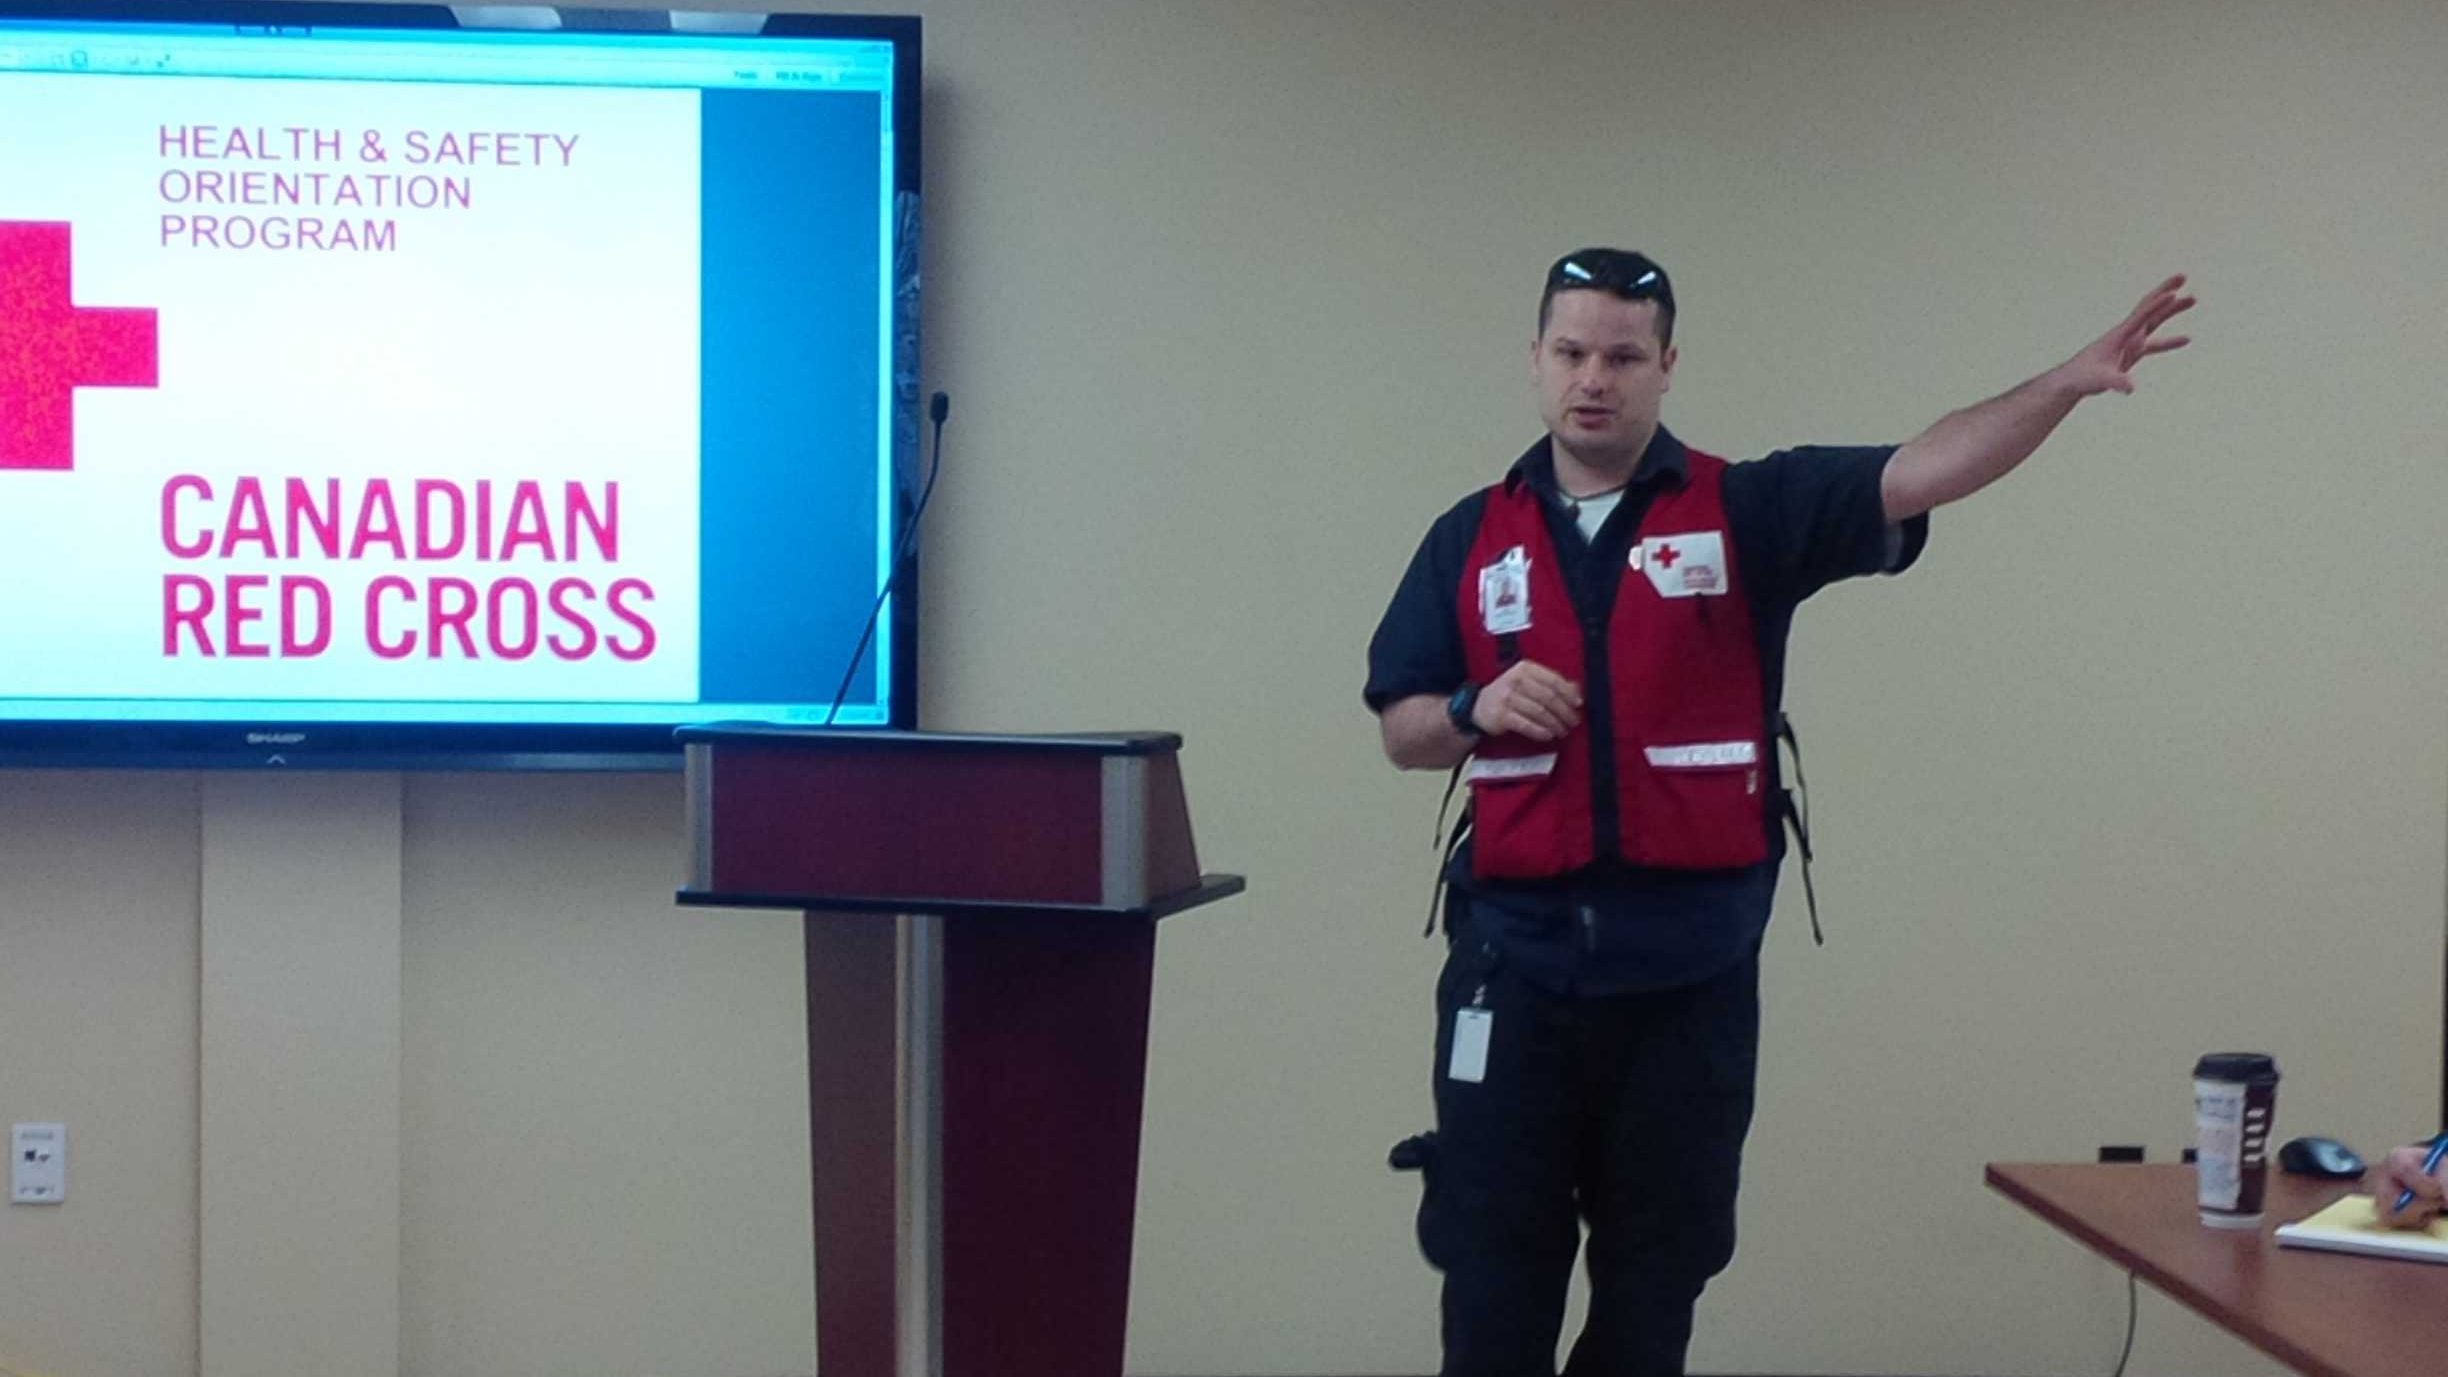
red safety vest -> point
(1686, 715)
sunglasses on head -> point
(1632, 276)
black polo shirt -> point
(1799, 520)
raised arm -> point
(1968, 450)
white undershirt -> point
(1592, 512)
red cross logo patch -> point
(49, 347)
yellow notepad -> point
(2352, 1225)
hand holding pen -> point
(2410, 1193)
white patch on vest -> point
(1504, 594)
(1684, 566)
(1705, 755)
(1509, 767)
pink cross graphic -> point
(1666, 556)
(49, 347)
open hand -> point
(2107, 363)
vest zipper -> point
(1598, 696)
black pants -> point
(1625, 1111)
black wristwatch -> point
(1459, 707)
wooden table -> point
(2323, 1314)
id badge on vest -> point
(1504, 594)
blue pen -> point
(2431, 1161)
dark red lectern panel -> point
(981, 926)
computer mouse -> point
(2320, 1157)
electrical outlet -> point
(38, 1164)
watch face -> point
(1460, 705)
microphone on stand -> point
(939, 407)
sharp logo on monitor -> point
(50, 346)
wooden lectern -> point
(981, 931)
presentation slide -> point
(442, 378)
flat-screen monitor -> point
(401, 386)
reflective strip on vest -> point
(1483, 768)
(1703, 756)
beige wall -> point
(99, 952)
(2147, 758)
